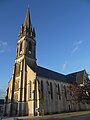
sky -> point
(62, 35)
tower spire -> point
(26, 28)
(27, 21)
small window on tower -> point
(20, 47)
(30, 47)
(30, 90)
(17, 73)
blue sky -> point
(62, 34)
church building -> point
(33, 89)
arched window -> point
(41, 89)
(59, 92)
(30, 90)
(51, 89)
(17, 72)
(65, 91)
(30, 46)
(20, 47)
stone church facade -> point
(33, 89)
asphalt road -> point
(82, 117)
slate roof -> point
(43, 72)
(46, 73)
(72, 76)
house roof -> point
(43, 72)
(1, 101)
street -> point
(82, 117)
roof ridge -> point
(44, 72)
(75, 72)
(50, 70)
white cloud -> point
(64, 66)
(4, 47)
(76, 46)
(75, 49)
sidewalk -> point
(46, 117)
(65, 115)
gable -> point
(76, 77)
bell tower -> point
(26, 45)
(25, 56)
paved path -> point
(62, 116)
(81, 117)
